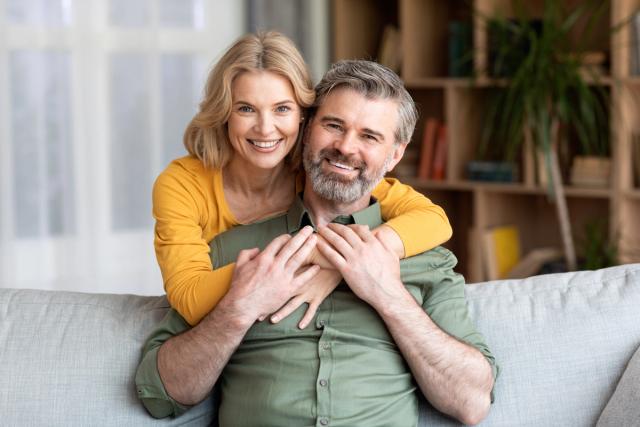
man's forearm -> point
(454, 376)
(190, 364)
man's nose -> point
(347, 143)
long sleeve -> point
(443, 298)
(149, 385)
(421, 224)
(189, 211)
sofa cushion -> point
(562, 342)
(69, 359)
(623, 408)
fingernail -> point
(302, 325)
(274, 319)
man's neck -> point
(324, 211)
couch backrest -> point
(562, 342)
(68, 359)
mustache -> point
(337, 157)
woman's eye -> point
(245, 109)
(283, 109)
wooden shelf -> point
(461, 102)
(510, 188)
(633, 195)
(482, 82)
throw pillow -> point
(623, 408)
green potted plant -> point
(597, 251)
(546, 94)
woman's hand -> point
(313, 292)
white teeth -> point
(264, 144)
(341, 166)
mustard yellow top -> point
(190, 210)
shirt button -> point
(326, 346)
(324, 421)
(323, 383)
(321, 323)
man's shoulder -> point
(226, 246)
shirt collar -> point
(298, 216)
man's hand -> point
(371, 269)
(264, 281)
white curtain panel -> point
(94, 98)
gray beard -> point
(336, 188)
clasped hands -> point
(307, 267)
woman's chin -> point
(266, 163)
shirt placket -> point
(326, 365)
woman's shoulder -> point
(186, 174)
(187, 168)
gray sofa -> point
(563, 342)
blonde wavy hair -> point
(206, 135)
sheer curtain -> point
(94, 97)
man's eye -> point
(283, 109)
(370, 138)
(245, 109)
(334, 126)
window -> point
(98, 93)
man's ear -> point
(398, 152)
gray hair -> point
(374, 81)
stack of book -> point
(492, 171)
(433, 151)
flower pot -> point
(590, 171)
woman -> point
(244, 165)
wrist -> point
(396, 305)
(232, 312)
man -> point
(350, 366)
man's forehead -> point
(351, 106)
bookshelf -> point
(459, 102)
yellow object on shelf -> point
(502, 251)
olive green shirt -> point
(343, 369)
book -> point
(501, 251)
(492, 171)
(427, 151)
(439, 165)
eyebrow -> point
(329, 118)
(286, 101)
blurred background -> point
(94, 98)
(95, 95)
